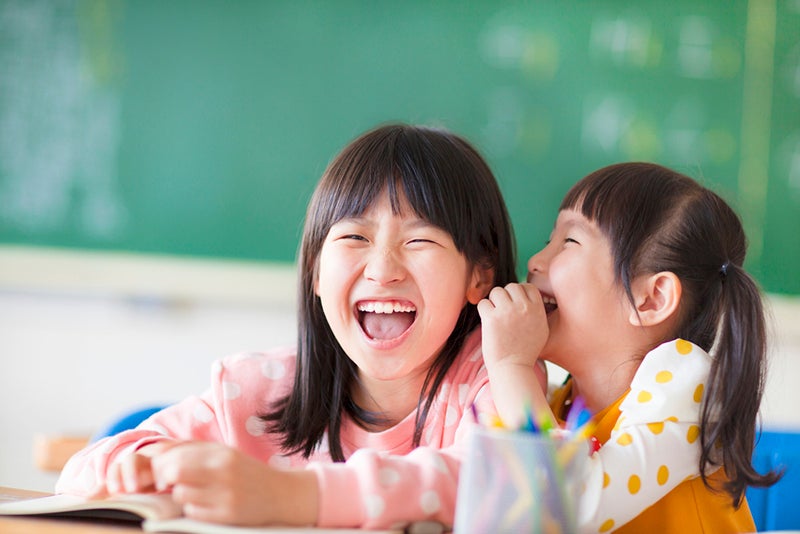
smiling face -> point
(392, 287)
(587, 309)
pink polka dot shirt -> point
(385, 482)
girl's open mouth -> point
(385, 319)
(550, 304)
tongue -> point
(386, 325)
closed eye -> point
(421, 244)
(571, 240)
(355, 237)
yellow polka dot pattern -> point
(663, 377)
(607, 525)
(683, 347)
(656, 428)
(625, 439)
(634, 484)
(667, 382)
(663, 475)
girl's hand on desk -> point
(132, 473)
(220, 484)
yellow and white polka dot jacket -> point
(650, 446)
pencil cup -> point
(519, 482)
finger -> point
(516, 292)
(208, 514)
(165, 473)
(113, 479)
(136, 474)
(499, 295)
(485, 307)
(203, 503)
(532, 291)
(195, 495)
(180, 464)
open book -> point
(158, 513)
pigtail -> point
(735, 384)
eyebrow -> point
(577, 222)
(414, 224)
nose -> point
(537, 264)
(384, 266)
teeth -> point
(549, 300)
(385, 307)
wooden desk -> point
(40, 525)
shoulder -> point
(467, 374)
(670, 382)
(271, 370)
(468, 364)
(673, 364)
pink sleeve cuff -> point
(339, 496)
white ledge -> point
(142, 276)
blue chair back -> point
(126, 421)
(777, 507)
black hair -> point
(657, 220)
(448, 184)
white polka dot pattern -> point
(273, 370)
(429, 502)
(375, 506)
(384, 482)
(231, 390)
(254, 426)
(202, 413)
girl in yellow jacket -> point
(640, 295)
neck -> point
(602, 387)
(392, 400)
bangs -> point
(601, 197)
(628, 199)
(418, 169)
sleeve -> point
(377, 490)
(195, 418)
(654, 445)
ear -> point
(481, 282)
(657, 297)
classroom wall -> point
(75, 358)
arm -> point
(121, 463)
(372, 489)
(378, 490)
(514, 332)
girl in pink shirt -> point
(363, 423)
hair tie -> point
(723, 271)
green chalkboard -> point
(200, 127)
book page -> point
(187, 525)
(133, 507)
